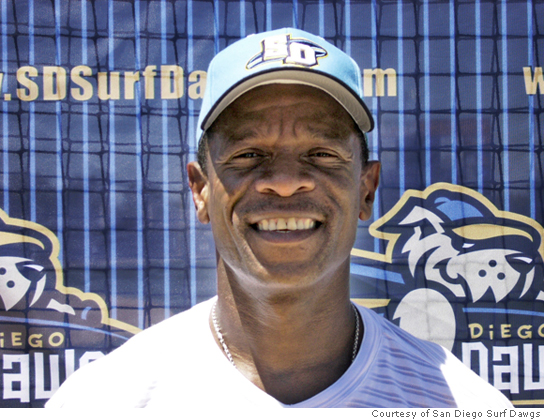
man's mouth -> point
(289, 224)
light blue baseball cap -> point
(283, 56)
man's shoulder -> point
(387, 336)
(127, 375)
(167, 335)
(425, 367)
(173, 329)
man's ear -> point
(198, 182)
(370, 178)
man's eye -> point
(247, 155)
(323, 154)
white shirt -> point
(177, 363)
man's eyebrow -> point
(245, 127)
(327, 132)
(326, 125)
(241, 135)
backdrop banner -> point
(98, 235)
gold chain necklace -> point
(217, 329)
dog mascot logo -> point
(47, 330)
(460, 272)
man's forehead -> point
(273, 103)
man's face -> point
(285, 185)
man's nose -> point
(285, 178)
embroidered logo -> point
(296, 51)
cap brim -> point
(345, 96)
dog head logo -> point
(31, 279)
(454, 240)
(447, 246)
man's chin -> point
(288, 274)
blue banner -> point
(98, 236)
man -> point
(283, 177)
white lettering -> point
(41, 392)
(511, 369)
(529, 384)
(301, 54)
(69, 361)
(21, 391)
(467, 350)
(275, 47)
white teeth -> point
(292, 224)
(281, 224)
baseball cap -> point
(282, 56)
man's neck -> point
(290, 343)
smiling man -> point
(283, 177)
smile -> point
(281, 224)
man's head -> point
(286, 56)
(283, 174)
